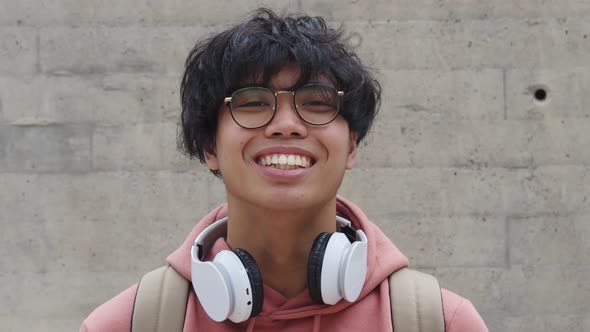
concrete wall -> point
(473, 178)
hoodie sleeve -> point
(460, 314)
(114, 315)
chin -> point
(293, 201)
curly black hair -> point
(256, 50)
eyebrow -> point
(291, 88)
(250, 85)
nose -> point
(286, 122)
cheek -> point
(339, 139)
(231, 147)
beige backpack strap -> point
(160, 302)
(416, 303)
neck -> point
(280, 241)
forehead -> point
(287, 77)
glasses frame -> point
(227, 102)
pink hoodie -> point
(370, 313)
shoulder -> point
(460, 314)
(114, 315)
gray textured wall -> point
(476, 181)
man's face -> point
(252, 161)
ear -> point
(211, 160)
(351, 150)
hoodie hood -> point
(275, 306)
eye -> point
(252, 99)
(317, 99)
(252, 103)
(317, 106)
(317, 102)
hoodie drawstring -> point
(316, 323)
(251, 324)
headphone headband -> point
(209, 235)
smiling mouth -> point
(285, 161)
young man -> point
(277, 107)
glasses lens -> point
(317, 103)
(252, 107)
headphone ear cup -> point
(255, 278)
(314, 266)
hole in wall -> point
(539, 92)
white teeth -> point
(283, 161)
(304, 162)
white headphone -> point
(230, 286)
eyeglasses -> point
(255, 107)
